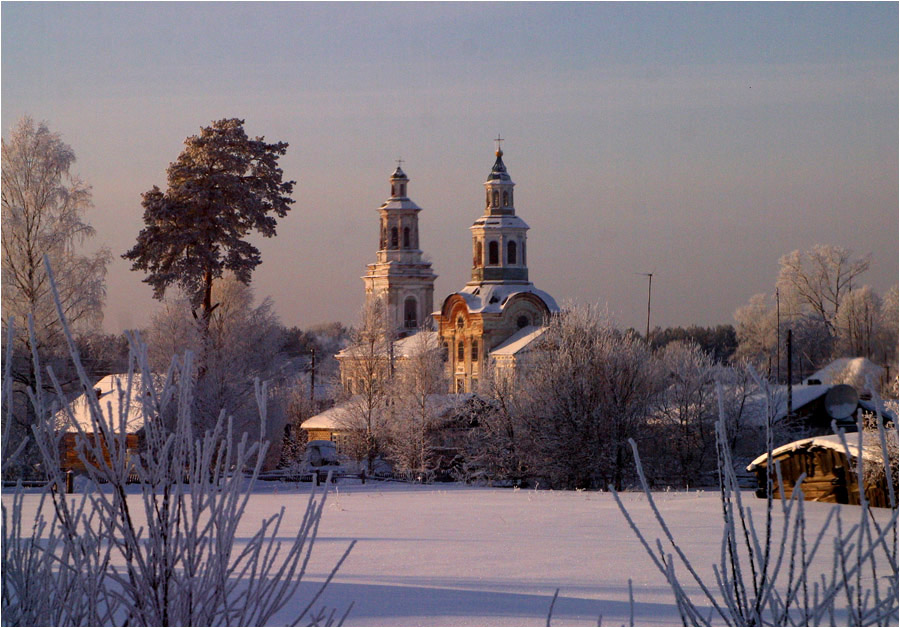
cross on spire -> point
(399, 161)
(498, 140)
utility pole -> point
(649, 289)
(777, 337)
(312, 377)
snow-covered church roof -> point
(486, 298)
(520, 341)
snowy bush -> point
(161, 550)
(765, 577)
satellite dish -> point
(841, 401)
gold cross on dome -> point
(498, 140)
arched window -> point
(496, 198)
(446, 352)
(524, 260)
(511, 252)
(510, 198)
(405, 237)
(395, 238)
(460, 351)
(505, 198)
(382, 241)
(487, 198)
(460, 322)
(474, 351)
(493, 253)
(410, 316)
(393, 190)
(402, 189)
(477, 253)
(522, 321)
(350, 386)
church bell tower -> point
(400, 275)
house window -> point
(405, 237)
(460, 351)
(474, 351)
(395, 238)
(511, 252)
(493, 253)
(410, 317)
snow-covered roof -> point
(487, 298)
(831, 441)
(854, 371)
(342, 415)
(802, 394)
(112, 405)
(505, 221)
(519, 341)
(331, 419)
(399, 203)
(403, 348)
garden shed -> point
(830, 473)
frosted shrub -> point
(765, 577)
(160, 551)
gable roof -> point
(520, 341)
(831, 441)
(112, 405)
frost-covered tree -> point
(816, 281)
(43, 207)
(588, 391)
(856, 323)
(367, 371)
(244, 344)
(686, 410)
(223, 187)
(414, 414)
(757, 331)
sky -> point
(698, 142)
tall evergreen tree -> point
(222, 187)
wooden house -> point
(831, 471)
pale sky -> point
(699, 142)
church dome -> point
(498, 172)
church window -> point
(460, 385)
(410, 317)
(474, 351)
(460, 351)
(493, 253)
(522, 321)
(524, 261)
(505, 198)
(511, 252)
(350, 386)
(477, 253)
(510, 198)
(402, 189)
(460, 322)
(496, 198)
(393, 190)
(446, 352)
(405, 237)
(395, 238)
(487, 199)
(382, 242)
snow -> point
(856, 370)
(460, 556)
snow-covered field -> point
(457, 556)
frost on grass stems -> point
(766, 577)
(161, 551)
